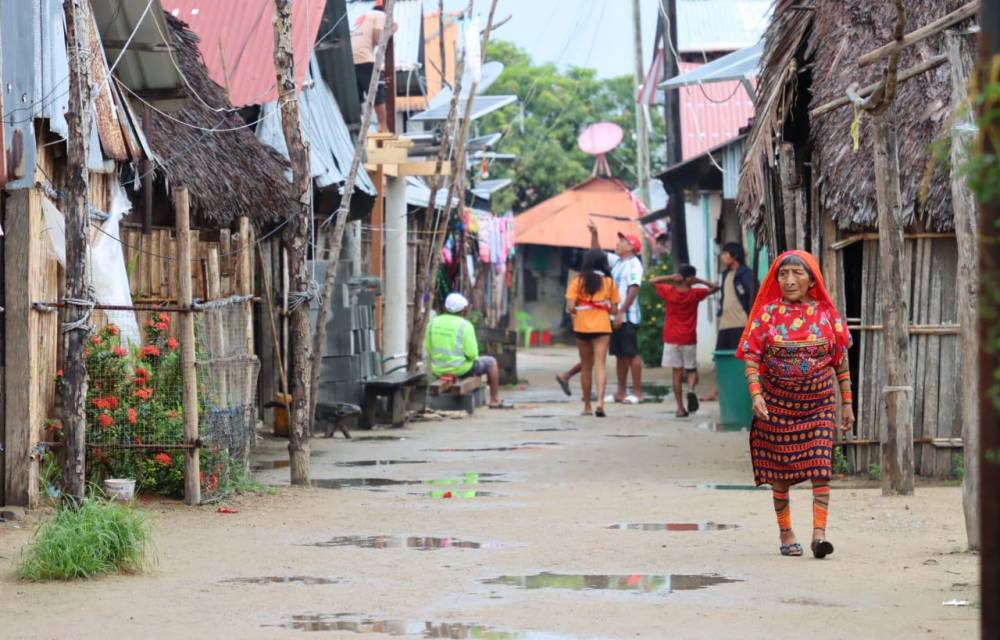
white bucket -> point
(119, 489)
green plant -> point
(874, 471)
(96, 537)
(840, 462)
(651, 306)
(958, 466)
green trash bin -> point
(735, 408)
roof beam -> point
(864, 92)
(939, 25)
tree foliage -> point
(542, 130)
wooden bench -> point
(404, 391)
(464, 389)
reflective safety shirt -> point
(451, 345)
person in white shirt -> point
(627, 272)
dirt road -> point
(525, 548)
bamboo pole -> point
(914, 71)
(74, 389)
(189, 375)
(931, 29)
(967, 232)
(334, 240)
(296, 243)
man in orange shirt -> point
(365, 36)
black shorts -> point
(728, 340)
(625, 341)
(363, 72)
(587, 337)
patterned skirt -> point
(795, 443)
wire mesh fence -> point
(135, 400)
(227, 391)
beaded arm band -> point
(844, 379)
(753, 381)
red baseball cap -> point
(632, 240)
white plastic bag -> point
(108, 271)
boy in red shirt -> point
(680, 329)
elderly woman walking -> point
(795, 347)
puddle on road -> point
(427, 629)
(724, 487)
(635, 583)
(448, 495)
(674, 526)
(353, 483)
(626, 435)
(376, 463)
(550, 429)
(268, 465)
(400, 542)
(524, 446)
(375, 439)
(306, 580)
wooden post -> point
(335, 238)
(378, 221)
(967, 235)
(246, 288)
(74, 388)
(897, 395)
(791, 185)
(189, 374)
(296, 241)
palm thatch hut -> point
(808, 182)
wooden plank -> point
(192, 466)
(156, 265)
(23, 222)
(932, 382)
(245, 280)
(918, 344)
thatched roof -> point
(827, 38)
(229, 173)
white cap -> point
(455, 303)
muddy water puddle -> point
(305, 580)
(376, 439)
(459, 495)
(626, 435)
(524, 446)
(356, 623)
(652, 584)
(376, 484)
(417, 543)
(674, 526)
(376, 463)
(550, 429)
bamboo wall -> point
(934, 357)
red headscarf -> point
(770, 293)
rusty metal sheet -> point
(108, 126)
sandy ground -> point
(548, 510)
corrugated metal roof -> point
(418, 194)
(711, 114)
(408, 14)
(145, 67)
(330, 147)
(237, 42)
(720, 25)
(738, 65)
(481, 106)
(561, 221)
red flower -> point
(112, 329)
(162, 458)
(150, 351)
(96, 340)
(121, 352)
(164, 318)
(213, 482)
(144, 393)
(172, 343)
(59, 373)
(137, 440)
(105, 420)
(141, 373)
(86, 353)
(172, 415)
(101, 403)
(133, 415)
(161, 326)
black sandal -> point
(794, 549)
(821, 548)
(599, 413)
(564, 385)
(682, 414)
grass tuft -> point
(98, 538)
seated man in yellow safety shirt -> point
(454, 351)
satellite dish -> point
(598, 140)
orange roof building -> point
(561, 221)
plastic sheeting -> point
(108, 272)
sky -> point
(583, 33)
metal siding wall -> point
(732, 159)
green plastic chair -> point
(526, 325)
